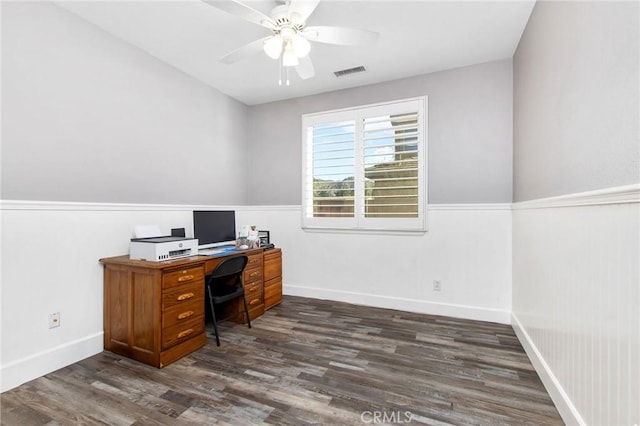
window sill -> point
(362, 231)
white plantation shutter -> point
(329, 170)
(365, 168)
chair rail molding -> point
(615, 195)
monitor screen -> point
(214, 227)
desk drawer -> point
(252, 287)
(182, 276)
(254, 301)
(272, 292)
(183, 295)
(253, 274)
(272, 264)
(183, 312)
(255, 261)
(181, 332)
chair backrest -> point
(230, 266)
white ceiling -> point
(416, 37)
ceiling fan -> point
(289, 36)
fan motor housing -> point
(280, 15)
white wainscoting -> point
(51, 250)
(576, 301)
(50, 255)
(467, 248)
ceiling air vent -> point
(349, 71)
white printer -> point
(157, 249)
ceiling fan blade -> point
(303, 8)
(305, 68)
(243, 11)
(245, 51)
(340, 35)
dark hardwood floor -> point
(306, 361)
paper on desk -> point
(147, 231)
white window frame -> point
(360, 223)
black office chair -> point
(226, 283)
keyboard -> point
(209, 252)
(215, 250)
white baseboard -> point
(20, 371)
(399, 303)
(563, 403)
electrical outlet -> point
(437, 285)
(54, 320)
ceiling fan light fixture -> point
(300, 45)
(288, 41)
(289, 57)
(287, 32)
(273, 47)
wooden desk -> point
(154, 312)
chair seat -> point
(224, 293)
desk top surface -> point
(183, 261)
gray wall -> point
(86, 117)
(576, 99)
(469, 134)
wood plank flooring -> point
(306, 361)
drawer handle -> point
(185, 314)
(186, 296)
(185, 333)
(254, 301)
(254, 273)
(185, 278)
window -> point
(364, 168)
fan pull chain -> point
(287, 82)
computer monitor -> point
(214, 228)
